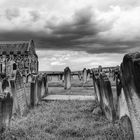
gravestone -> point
(43, 87)
(130, 73)
(88, 74)
(19, 95)
(6, 105)
(84, 75)
(100, 69)
(107, 97)
(67, 78)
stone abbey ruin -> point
(22, 87)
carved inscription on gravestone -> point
(20, 93)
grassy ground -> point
(74, 91)
(74, 83)
(64, 120)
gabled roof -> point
(15, 46)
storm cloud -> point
(83, 27)
(86, 30)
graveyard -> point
(67, 119)
(99, 103)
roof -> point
(15, 46)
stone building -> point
(18, 55)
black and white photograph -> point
(69, 70)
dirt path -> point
(65, 120)
(68, 97)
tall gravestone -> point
(84, 75)
(88, 74)
(18, 92)
(67, 78)
(107, 97)
(6, 105)
(46, 84)
(34, 91)
(43, 86)
(100, 69)
(130, 73)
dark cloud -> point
(35, 15)
(71, 35)
(12, 13)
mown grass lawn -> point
(63, 120)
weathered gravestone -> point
(6, 105)
(19, 96)
(84, 75)
(43, 86)
(102, 88)
(27, 88)
(107, 97)
(67, 78)
(130, 78)
(88, 74)
(100, 69)
(96, 85)
(34, 91)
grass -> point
(74, 91)
(74, 83)
(63, 120)
(66, 120)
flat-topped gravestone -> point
(67, 78)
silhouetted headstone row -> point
(19, 94)
(124, 98)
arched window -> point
(14, 66)
(0, 68)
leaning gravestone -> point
(19, 95)
(107, 97)
(6, 105)
(96, 85)
(130, 73)
(67, 78)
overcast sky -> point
(74, 33)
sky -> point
(74, 33)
